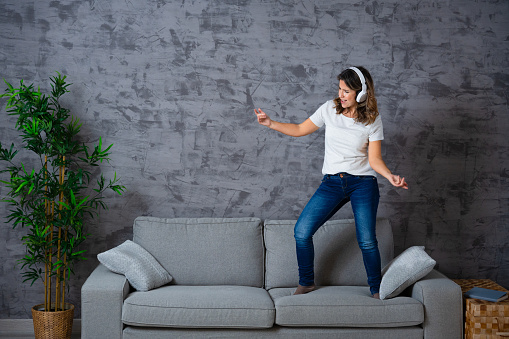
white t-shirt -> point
(346, 141)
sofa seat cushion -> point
(200, 307)
(344, 306)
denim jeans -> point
(335, 191)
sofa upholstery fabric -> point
(230, 252)
(137, 264)
(102, 297)
(344, 306)
(278, 332)
(199, 307)
(407, 268)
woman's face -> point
(347, 96)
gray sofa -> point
(234, 278)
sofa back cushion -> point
(205, 251)
(338, 259)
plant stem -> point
(64, 269)
(59, 250)
(46, 211)
(50, 253)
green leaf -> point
(21, 186)
(64, 204)
(73, 198)
(82, 202)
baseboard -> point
(20, 327)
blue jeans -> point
(335, 191)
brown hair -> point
(367, 110)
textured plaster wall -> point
(173, 84)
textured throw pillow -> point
(139, 266)
(404, 270)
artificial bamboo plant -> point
(52, 199)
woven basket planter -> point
(53, 325)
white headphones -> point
(364, 91)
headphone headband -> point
(364, 91)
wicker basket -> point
(485, 319)
(53, 325)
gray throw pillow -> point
(404, 270)
(139, 266)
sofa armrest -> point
(102, 297)
(443, 306)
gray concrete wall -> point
(173, 84)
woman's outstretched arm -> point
(294, 130)
(378, 164)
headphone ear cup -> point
(361, 96)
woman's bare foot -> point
(376, 295)
(304, 289)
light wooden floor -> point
(23, 329)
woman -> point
(353, 153)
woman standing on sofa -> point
(353, 153)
